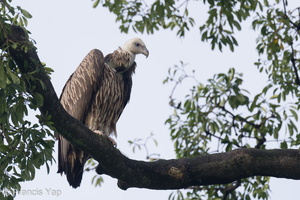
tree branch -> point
(162, 174)
(226, 191)
(293, 60)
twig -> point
(260, 142)
(293, 60)
(257, 126)
(226, 191)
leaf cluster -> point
(24, 146)
(14, 15)
(225, 18)
(221, 115)
(143, 144)
(278, 48)
(256, 188)
(143, 17)
(24, 149)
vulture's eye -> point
(137, 44)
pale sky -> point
(65, 31)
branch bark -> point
(162, 174)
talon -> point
(111, 140)
(98, 132)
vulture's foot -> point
(111, 140)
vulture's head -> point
(136, 46)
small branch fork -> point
(260, 140)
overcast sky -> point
(65, 31)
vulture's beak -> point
(145, 52)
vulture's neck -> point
(127, 51)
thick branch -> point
(162, 174)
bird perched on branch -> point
(96, 94)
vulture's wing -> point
(76, 98)
(82, 84)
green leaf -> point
(266, 3)
(96, 3)
(26, 13)
(283, 145)
(2, 76)
(38, 98)
(13, 77)
(275, 96)
(14, 118)
(14, 45)
(295, 115)
(232, 100)
(9, 168)
(237, 25)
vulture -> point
(96, 94)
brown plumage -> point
(96, 94)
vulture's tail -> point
(71, 162)
(74, 173)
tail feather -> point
(71, 162)
(74, 174)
